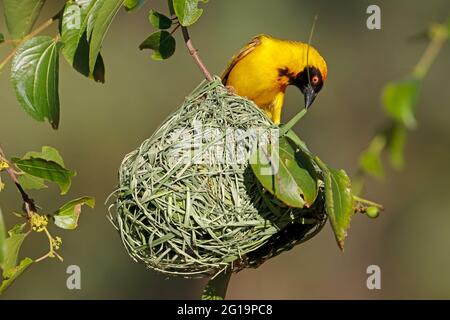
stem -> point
(51, 252)
(194, 53)
(288, 126)
(38, 30)
(440, 35)
(28, 202)
(7, 59)
(175, 29)
(11, 41)
(368, 202)
(216, 288)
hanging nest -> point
(182, 210)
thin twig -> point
(38, 30)
(175, 29)
(52, 251)
(439, 37)
(11, 41)
(217, 286)
(7, 59)
(193, 52)
(368, 202)
(28, 202)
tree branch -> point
(28, 202)
(439, 35)
(193, 52)
(7, 59)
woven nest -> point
(199, 216)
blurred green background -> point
(410, 241)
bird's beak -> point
(310, 95)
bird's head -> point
(312, 75)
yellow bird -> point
(263, 69)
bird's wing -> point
(255, 42)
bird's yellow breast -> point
(256, 76)
(256, 73)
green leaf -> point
(34, 75)
(17, 229)
(400, 99)
(12, 246)
(371, 163)
(101, 20)
(47, 170)
(29, 182)
(159, 20)
(216, 288)
(67, 216)
(132, 4)
(396, 144)
(187, 11)
(12, 274)
(370, 160)
(47, 153)
(286, 172)
(338, 200)
(21, 15)
(71, 23)
(88, 25)
(2, 38)
(2, 238)
(162, 43)
(297, 141)
(304, 171)
(74, 36)
(81, 62)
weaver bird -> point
(263, 69)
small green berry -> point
(372, 212)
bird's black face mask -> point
(310, 82)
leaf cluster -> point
(82, 27)
(291, 173)
(34, 171)
(399, 100)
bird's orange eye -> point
(315, 80)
